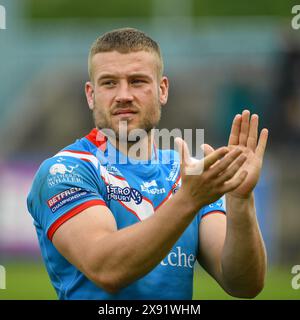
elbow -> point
(256, 290)
(108, 278)
(249, 292)
(107, 282)
(248, 286)
(110, 287)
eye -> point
(108, 83)
(138, 81)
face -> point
(126, 87)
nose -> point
(123, 94)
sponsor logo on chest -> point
(152, 188)
(179, 258)
(173, 172)
(124, 194)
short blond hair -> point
(125, 40)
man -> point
(109, 230)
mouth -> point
(124, 113)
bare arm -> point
(231, 248)
(114, 258)
(244, 255)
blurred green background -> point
(29, 280)
(136, 8)
(220, 56)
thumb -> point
(183, 151)
(207, 149)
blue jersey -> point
(85, 174)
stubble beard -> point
(148, 122)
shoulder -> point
(70, 166)
(68, 179)
(79, 154)
(67, 162)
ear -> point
(89, 93)
(163, 90)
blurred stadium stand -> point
(217, 66)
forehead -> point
(117, 63)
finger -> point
(232, 170)
(214, 156)
(235, 130)
(196, 167)
(252, 137)
(262, 142)
(224, 163)
(234, 183)
(183, 151)
(207, 149)
(244, 128)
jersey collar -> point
(102, 143)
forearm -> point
(132, 252)
(243, 261)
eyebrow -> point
(106, 76)
(140, 75)
(133, 75)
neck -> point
(140, 150)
